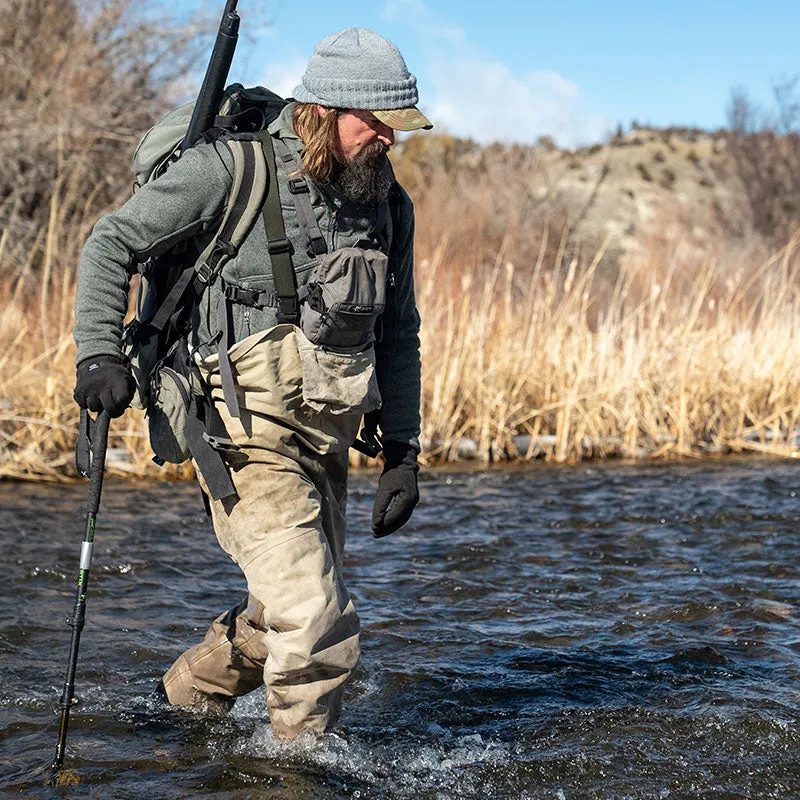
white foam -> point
(409, 764)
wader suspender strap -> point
(301, 196)
(283, 278)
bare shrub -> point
(475, 204)
(80, 81)
(645, 173)
(765, 147)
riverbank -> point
(553, 361)
(673, 338)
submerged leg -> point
(287, 534)
(227, 664)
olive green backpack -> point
(182, 421)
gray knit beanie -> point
(357, 68)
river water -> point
(603, 631)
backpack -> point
(182, 420)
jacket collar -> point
(282, 125)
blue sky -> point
(512, 71)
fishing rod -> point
(208, 99)
(90, 459)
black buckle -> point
(247, 297)
(130, 330)
(317, 247)
(368, 444)
(203, 272)
(225, 247)
(287, 308)
(298, 185)
(278, 247)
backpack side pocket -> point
(167, 411)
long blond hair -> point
(319, 133)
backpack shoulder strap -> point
(253, 185)
(244, 202)
(250, 184)
(283, 277)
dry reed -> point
(518, 365)
(519, 371)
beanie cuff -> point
(370, 95)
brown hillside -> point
(667, 182)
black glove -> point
(104, 383)
(397, 489)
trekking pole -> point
(90, 458)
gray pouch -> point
(167, 410)
(343, 297)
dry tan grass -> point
(38, 417)
(671, 368)
(79, 82)
(685, 367)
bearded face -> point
(366, 177)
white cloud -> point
(417, 15)
(283, 76)
(482, 98)
(405, 10)
(485, 101)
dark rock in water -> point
(703, 655)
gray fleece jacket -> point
(188, 201)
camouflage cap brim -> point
(404, 119)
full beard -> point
(367, 177)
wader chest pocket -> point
(338, 382)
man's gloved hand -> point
(104, 383)
(397, 489)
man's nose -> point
(386, 135)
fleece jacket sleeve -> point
(181, 203)
(397, 351)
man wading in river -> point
(297, 406)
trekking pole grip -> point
(99, 446)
